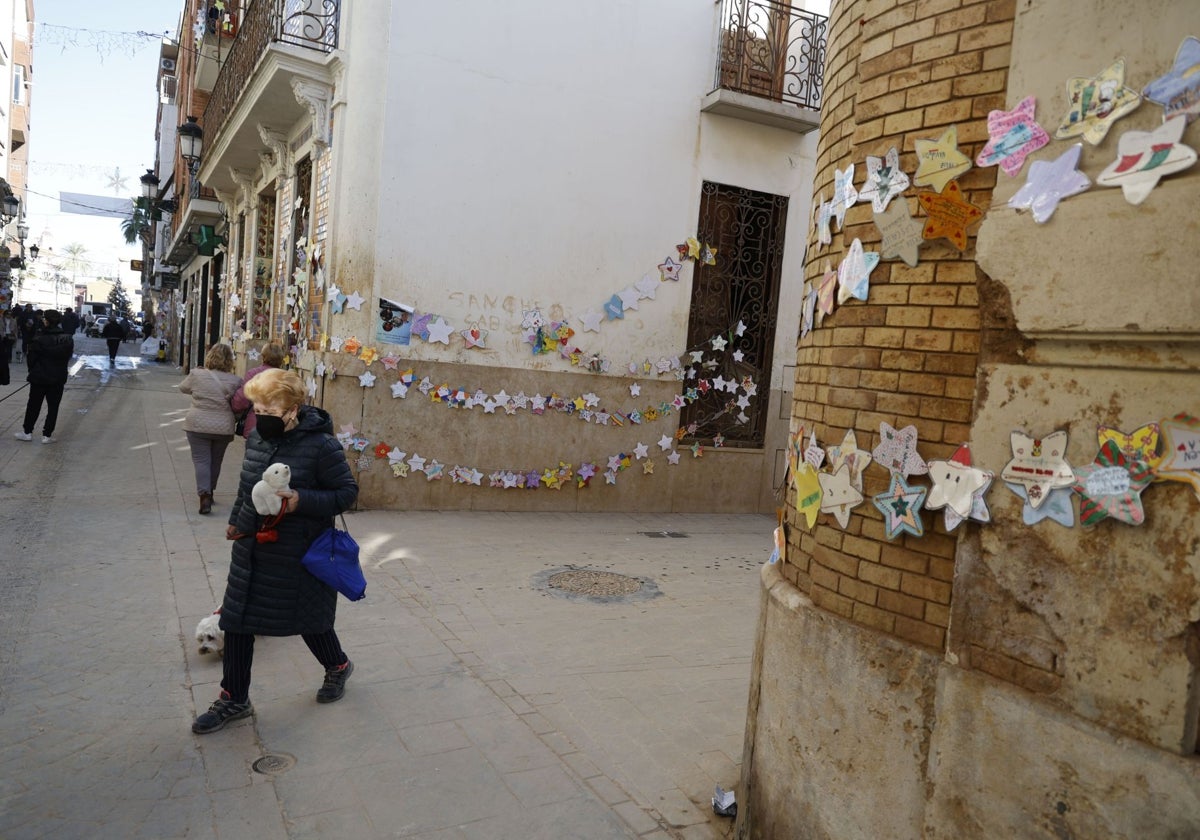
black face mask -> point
(270, 428)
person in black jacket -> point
(269, 592)
(49, 353)
(114, 334)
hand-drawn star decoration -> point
(847, 452)
(902, 235)
(416, 463)
(901, 508)
(1178, 91)
(614, 308)
(826, 292)
(311, 388)
(439, 331)
(399, 390)
(1111, 486)
(948, 215)
(1039, 464)
(1142, 443)
(839, 496)
(885, 180)
(1057, 506)
(1181, 451)
(1012, 136)
(955, 483)
(673, 457)
(844, 193)
(1143, 157)
(1096, 103)
(854, 274)
(824, 217)
(1049, 182)
(897, 451)
(669, 269)
(473, 337)
(940, 161)
(355, 301)
(809, 494)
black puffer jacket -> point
(49, 355)
(269, 592)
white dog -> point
(209, 634)
(263, 494)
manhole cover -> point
(595, 584)
(678, 535)
(273, 763)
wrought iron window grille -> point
(771, 49)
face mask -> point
(271, 428)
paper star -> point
(390, 361)
(808, 310)
(1181, 451)
(1179, 90)
(590, 399)
(693, 248)
(647, 287)
(838, 495)
(253, 355)
(1049, 182)
(510, 480)
(897, 451)
(697, 450)
(489, 406)
(537, 404)
(311, 388)
(949, 215)
(1096, 103)
(433, 471)
(813, 453)
(902, 234)
(718, 441)
(349, 429)
(533, 480)
(1111, 486)
(320, 369)
(666, 442)
(501, 397)
(669, 269)
(591, 321)
(439, 331)
(399, 470)
(332, 293)
(678, 401)
(738, 355)
(473, 337)
(629, 297)
(940, 161)
(885, 180)
(854, 274)
(336, 342)
(809, 495)
(955, 483)
(610, 477)
(824, 217)
(368, 355)
(426, 385)
(474, 476)
(673, 458)
(1056, 507)
(1038, 464)
(1142, 443)
(1013, 136)
(395, 455)
(635, 390)
(844, 194)
(355, 301)
(826, 288)
(979, 510)
(416, 463)
(363, 464)
(399, 390)
(614, 308)
(352, 345)
(719, 343)
(708, 255)
(848, 453)
(1143, 157)
(641, 451)
(901, 508)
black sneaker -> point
(220, 713)
(335, 683)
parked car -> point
(97, 326)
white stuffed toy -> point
(277, 477)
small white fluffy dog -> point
(276, 477)
(210, 636)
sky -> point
(94, 103)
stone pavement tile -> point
(433, 738)
(607, 790)
(538, 723)
(573, 819)
(707, 831)
(179, 816)
(636, 817)
(583, 767)
(432, 792)
(444, 662)
(308, 794)
(228, 755)
(677, 809)
(249, 812)
(542, 786)
(507, 742)
(347, 823)
(431, 698)
(329, 738)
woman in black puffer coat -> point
(269, 592)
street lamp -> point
(34, 250)
(10, 207)
(149, 185)
(191, 140)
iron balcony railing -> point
(770, 48)
(311, 24)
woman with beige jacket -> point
(210, 423)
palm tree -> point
(138, 222)
(75, 258)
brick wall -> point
(897, 71)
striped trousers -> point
(239, 657)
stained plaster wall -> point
(1065, 703)
(542, 161)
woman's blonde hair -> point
(276, 386)
(219, 357)
(273, 355)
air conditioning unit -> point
(167, 64)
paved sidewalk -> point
(483, 704)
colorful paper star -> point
(955, 483)
(826, 291)
(848, 453)
(949, 215)
(885, 180)
(1143, 443)
(399, 470)
(311, 388)
(668, 269)
(979, 510)
(901, 508)
(808, 309)
(1143, 157)
(1049, 182)
(940, 161)
(1096, 103)
(1178, 92)
(473, 337)
(433, 471)
(331, 294)
(814, 455)
(648, 467)
(439, 331)
(697, 450)
(809, 494)
(1057, 506)
(352, 345)
(824, 217)
(708, 255)
(1111, 486)
(614, 308)
(897, 451)
(1039, 465)
(390, 361)
(1013, 136)
(1181, 451)
(844, 194)
(902, 235)
(338, 304)
(368, 355)
(838, 494)
(355, 301)
(854, 274)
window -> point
(747, 229)
(19, 84)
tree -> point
(118, 298)
(74, 259)
(138, 222)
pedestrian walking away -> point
(70, 321)
(269, 592)
(8, 337)
(272, 357)
(48, 356)
(28, 322)
(209, 422)
(114, 334)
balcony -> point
(277, 70)
(769, 63)
(216, 29)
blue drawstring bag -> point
(333, 559)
